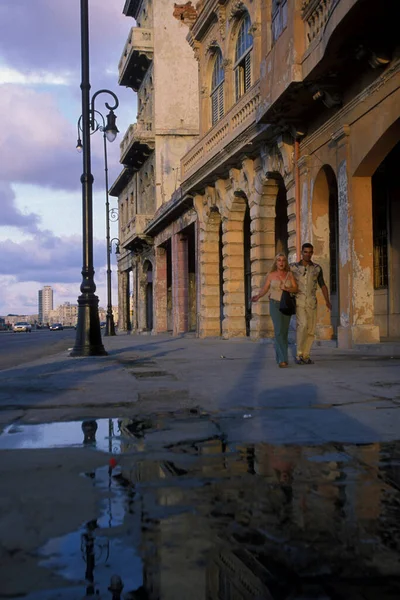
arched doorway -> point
(148, 270)
(386, 245)
(325, 241)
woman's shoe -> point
(283, 365)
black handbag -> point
(287, 305)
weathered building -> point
(156, 63)
(299, 137)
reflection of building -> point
(45, 303)
(299, 138)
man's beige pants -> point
(306, 319)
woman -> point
(278, 279)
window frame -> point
(243, 67)
(217, 88)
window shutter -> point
(221, 101)
(247, 72)
(237, 83)
(214, 107)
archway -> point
(386, 245)
(148, 271)
(325, 241)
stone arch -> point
(381, 139)
(325, 239)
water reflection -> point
(212, 521)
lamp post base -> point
(88, 333)
(110, 327)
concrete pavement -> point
(347, 396)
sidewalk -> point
(347, 396)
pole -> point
(110, 327)
(88, 334)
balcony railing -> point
(316, 13)
(241, 115)
(134, 228)
(137, 142)
(136, 57)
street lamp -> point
(88, 334)
(111, 214)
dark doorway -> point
(169, 285)
(247, 267)
(190, 233)
(281, 220)
(221, 277)
(386, 245)
(149, 295)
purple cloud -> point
(46, 258)
(45, 34)
(11, 216)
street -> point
(19, 348)
(190, 468)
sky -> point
(40, 169)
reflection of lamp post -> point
(111, 214)
(88, 334)
(89, 429)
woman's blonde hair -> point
(275, 266)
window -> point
(217, 89)
(279, 18)
(380, 228)
(244, 46)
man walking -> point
(307, 275)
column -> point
(160, 291)
(180, 282)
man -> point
(308, 275)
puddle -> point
(108, 435)
(211, 520)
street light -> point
(111, 214)
(88, 334)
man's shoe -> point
(299, 360)
(308, 361)
(283, 365)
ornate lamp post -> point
(111, 214)
(88, 334)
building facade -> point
(156, 62)
(45, 303)
(299, 135)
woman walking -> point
(278, 279)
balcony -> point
(225, 132)
(137, 145)
(316, 13)
(132, 235)
(136, 57)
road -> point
(19, 348)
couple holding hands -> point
(302, 279)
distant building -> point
(66, 313)
(45, 303)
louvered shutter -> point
(214, 107)
(237, 83)
(220, 101)
(247, 72)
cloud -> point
(45, 257)
(11, 216)
(31, 28)
(8, 75)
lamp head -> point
(111, 129)
(79, 146)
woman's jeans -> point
(281, 328)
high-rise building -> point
(45, 303)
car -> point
(56, 326)
(22, 326)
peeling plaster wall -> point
(344, 245)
